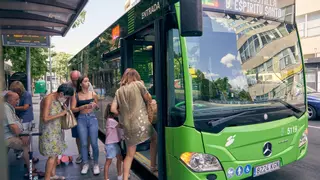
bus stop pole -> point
(50, 69)
(28, 70)
(3, 151)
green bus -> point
(228, 78)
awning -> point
(39, 17)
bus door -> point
(140, 55)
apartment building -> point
(308, 21)
(269, 55)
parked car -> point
(313, 98)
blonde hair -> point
(129, 76)
(17, 85)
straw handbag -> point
(68, 121)
(152, 111)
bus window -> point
(143, 58)
(176, 92)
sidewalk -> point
(70, 171)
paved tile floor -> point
(72, 170)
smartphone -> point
(90, 106)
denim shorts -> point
(112, 150)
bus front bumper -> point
(236, 169)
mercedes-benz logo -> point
(267, 149)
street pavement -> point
(72, 170)
(305, 169)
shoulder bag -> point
(68, 121)
(152, 111)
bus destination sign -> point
(26, 40)
(268, 8)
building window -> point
(241, 26)
(243, 32)
(287, 14)
(314, 24)
(310, 77)
(252, 46)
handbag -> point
(68, 121)
(152, 111)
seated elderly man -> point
(12, 129)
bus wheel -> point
(312, 114)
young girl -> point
(113, 136)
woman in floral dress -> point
(51, 143)
(130, 103)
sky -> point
(100, 15)
(225, 61)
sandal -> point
(35, 172)
(58, 162)
(35, 160)
(55, 177)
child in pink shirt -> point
(113, 136)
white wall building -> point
(308, 21)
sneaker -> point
(120, 177)
(85, 169)
(96, 169)
(79, 160)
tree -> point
(80, 20)
(60, 64)
(17, 55)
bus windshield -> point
(244, 64)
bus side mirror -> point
(191, 17)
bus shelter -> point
(31, 23)
(23, 23)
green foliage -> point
(60, 64)
(94, 52)
(80, 20)
(244, 96)
(219, 89)
(17, 55)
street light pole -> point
(29, 88)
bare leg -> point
(131, 150)
(53, 172)
(119, 163)
(49, 167)
(153, 151)
(106, 168)
(26, 156)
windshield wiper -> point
(296, 110)
(226, 119)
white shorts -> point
(27, 126)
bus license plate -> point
(260, 170)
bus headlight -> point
(304, 138)
(200, 162)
